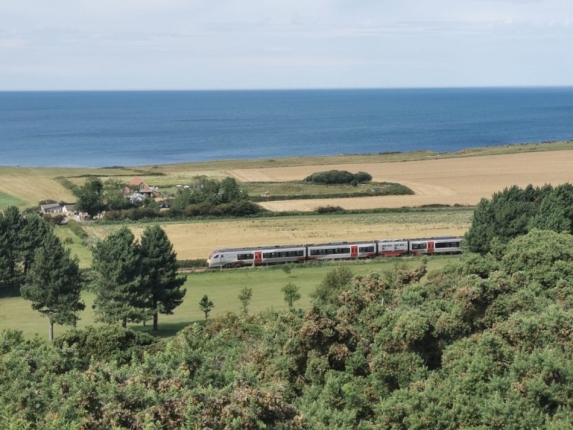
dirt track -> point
(449, 181)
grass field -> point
(221, 287)
(8, 200)
(198, 239)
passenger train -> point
(266, 255)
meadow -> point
(222, 287)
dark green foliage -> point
(20, 237)
(291, 294)
(206, 305)
(108, 343)
(192, 264)
(162, 286)
(117, 280)
(329, 210)
(245, 296)
(333, 284)
(483, 343)
(77, 229)
(514, 212)
(338, 177)
(90, 197)
(54, 283)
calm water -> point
(99, 129)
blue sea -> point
(97, 129)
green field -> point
(221, 287)
(8, 200)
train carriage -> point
(342, 250)
(392, 247)
(237, 257)
(436, 245)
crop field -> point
(461, 177)
(193, 240)
(221, 287)
(449, 181)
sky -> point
(292, 44)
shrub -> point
(329, 209)
(106, 343)
(338, 177)
(77, 229)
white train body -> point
(265, 255)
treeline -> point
(133, 281)
(206, 198)
(482, 343)
(515, 211)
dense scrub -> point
(339, 177)
(484, 343)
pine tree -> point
(54, 284)
(117, 283)
(11, 224)
(33, 232)
(159, 272)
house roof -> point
(50, 206)
(136, 181)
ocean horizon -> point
(130, 128)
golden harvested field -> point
(199, 239)
(32, 189)
(447, 181)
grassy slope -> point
(221, 287)
(8, 200)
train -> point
(280, 254)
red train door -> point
(354, 251)
(258, 257)
(430, 247)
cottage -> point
(51, 208)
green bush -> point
(107, 343)
(77, 229)
(329, 209)
(338, 177)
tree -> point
(159, 274)
(117, 265)
(90, 197)
(206, 306)
(506, 216)
(54, 284)
(291, 294)
(11, 224)
(230, 191)
(245, 296)
(33, 232)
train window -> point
(244, 256)
(419, 245)
(366, 249)
(283, 254)
(448, 245)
